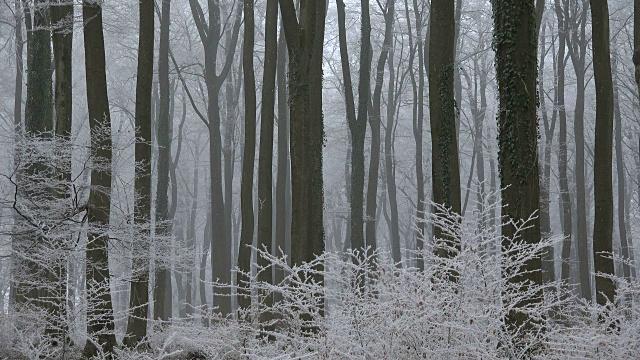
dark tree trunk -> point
(357, 125)
(17, 101)
(62, 38)
(636, 63)
(394, 229)
(622, 227)
(305, 39)
(210, 36)
(38, 109)
(603, 187)
(18, 128)
(139, 295)
(444, 159)
(282, 206)
(162, 293)
(178, 269)
(515, 45)
(565, 195)
(374, 123)
(548, 265)
(575, 23)
(100, 322)
(418, 121)
(265, 162)
(248, 158)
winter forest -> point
(319, 179)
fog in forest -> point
(319, 179)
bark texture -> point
(603, 187)
(515, 45)
(100, 323)
(445, 168)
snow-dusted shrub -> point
(402, 313)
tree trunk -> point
(622, 227)
(515, 46)
(139, 295)
(603, 188)
(265, 163)
(100, 324)
(357, 125)
(305, 43)
(62, 36)
(548, 265)
(577, 45)
(206, 245)
(282, 206)
(394, 229)
(636, 63)
(18, 128)
(248, 158)
(221, 245)
(191, 233)
(444, 156)
(374, 123)
(418, 121)
(162, 294)
(565, 195)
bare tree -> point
(305, 37)
(515, 46)
(565, 195)
(248, 159)
(265, 163)
(603, 187)
(139, 294)
(357, 125)
(210, 35)
(575, 20)
(374, 123)
(444, 159)
(100, 310)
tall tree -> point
(29, 241)
(100, 323)
(163, 294)
(283, 176)
(390, 172)
(515, 46)
(265, 163)
(444, 156)
(249, 154)
(622, 227)
(603, 187)
(565, 195)
(357, 125)
(548, 264)
(305, 38)
(636, 51)
(215, 75)
(374, 123)
(62, 38)
(18, 128)
(191, 229)
(139, 293)
(418, 119)
(477, 89)
(575, 20)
